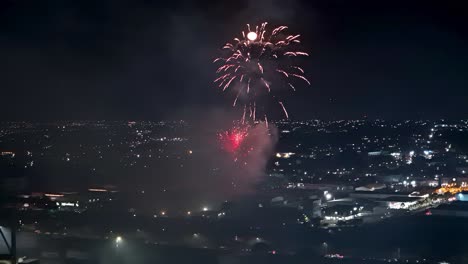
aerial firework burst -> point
(233, 139)
(256, 63)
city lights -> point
(198, 132)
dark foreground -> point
(408, 239)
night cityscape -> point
(233, 132)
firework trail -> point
(284, 109)
(253, 61)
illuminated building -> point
(451, 188)
(371, 187)
(400, 202)
(462, 196)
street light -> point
(118, 241)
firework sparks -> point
(244, 141)
(256, 60)
(233, 138)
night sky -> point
(141, 59)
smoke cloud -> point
(213, 174)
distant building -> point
(371, 187)
(462, 196)
(393, 178)
(461, 181)
(398, 202)
(427, 183)
(379, 194)
(341, 213)
(7, 154)
(320, 186)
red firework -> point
(233, 139)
